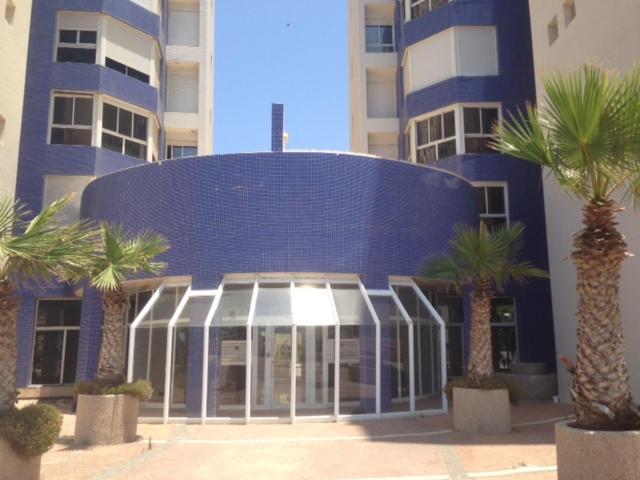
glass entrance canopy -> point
(289, 347)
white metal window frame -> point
(505, 189)
(380, 44)
(481, 106)
(60, 328)
(73, 95)
(125, 138)
(409, 4)
(77, 44)
(436, 143)
(181, 148)
(277, 278)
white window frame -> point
(63, 328)
(409, 4)
(505, 187)
(182, 146)
(481, 106)
(380, 44)
(134, 111)
(73, 95)
(78, 44)
(436, 143)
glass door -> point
(271, 372)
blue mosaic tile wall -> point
(282, 212)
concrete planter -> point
(13, 466)
(106, 419)
(481, 411)
(601, 455)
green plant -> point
(586, 133)
(482, 261)
(141, 389)
(32, 430)
(120, 254)
(35, 250)
(495, 382)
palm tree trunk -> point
(9, 307)
(112, 360)
(600, 390)
(480, 359)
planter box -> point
(481, 411)
(13, 466)
(600, 455)
(106, 419)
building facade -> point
(109, 85)
(14, 42)
(563, 40)
(428, 79)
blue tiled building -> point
(292, 285)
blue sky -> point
(261, 60)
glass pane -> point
(438, 3)
(70, 136)
(312, 305)
(117, 66)
(110, 117)
(68, 36)
(422, 128)
(125, 122)
(71, 356)
(165, 306)
(271, 371)
(489, 119)
(140, 127)
(496, 200)
(111, 142)
(372, 35)
(59, 313)
(503, 310)
(189, 151)
(446, 149)
(233, 309)
(472, 120)
(135, 149)
(351, 307)
(47, 358)
(143, 77)
(386, 32)
(455, 351)
(503, 341)
(273, 306)
(83, 111)
(394, 351)
(186, 373)
(77, 55)
(478, 145)
(149, 364)
(357, 369)
(227, 371)
(87, 37)
(315, 370)
(482, 199)
(449, 120)
(435, 128)
(494, 224)
(63, 110)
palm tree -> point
(587, 135)
(36, 250)
(121, 255)
(483, 261)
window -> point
(451, 311)
(492, 200)
(422, 7)
(176, 151)
(552, 30)
(503, 333)
(130, 72)
(71, 120)
(124, 131)
(379, 38)
(136, 303)
(57, 186)
(569, 9)
(10, 12)
(436, 137)
(56, 342)
(478, 128)
(77, 46)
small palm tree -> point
(483, 261)
(587, 135)
(36, 250)
(120, 255)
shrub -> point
(494, 383)
(141, 389)
(32, 430)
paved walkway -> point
(399, 449)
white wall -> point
(184, 26)
(182, 90)
(383, 144)
(77, 21)
(458, 51)
(606, 33)
(381, 95)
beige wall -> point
(14, 42)
(607, 33)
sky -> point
(293, 52)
